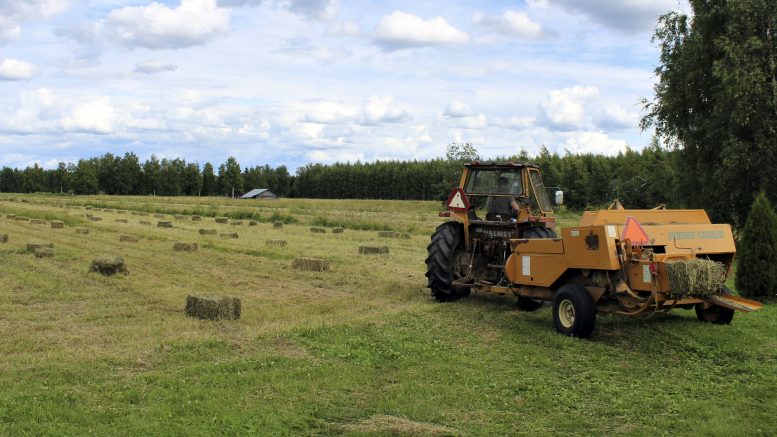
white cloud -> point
(13, 12)
(593, 142)
(566, 109)
(403, 30)
(310, 9)
(325, 112)
(156, 26)
(332, 156)
(94, 116)
(153, 66)
(514, 123)
(624, 15)
(511, 23)
(14, 69)
(458, 109)
(381, 109)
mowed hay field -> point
(360, 348)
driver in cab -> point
(502, 208)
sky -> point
(289, 82)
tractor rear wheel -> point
(715, 314)
(539, 232)
(574, 311)
(447, 262)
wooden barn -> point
(260, 193)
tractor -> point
(501, 238)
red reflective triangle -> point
(634, 232)
(458, 201)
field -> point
(360, 349)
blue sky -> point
(296, 81)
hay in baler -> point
(82, 231)
(281, 243)
(31, 247)
(373, 250)
(57, 224)
(212, 307)
(43, 252)
(127, 239)
(277, 225)
(109, 265)
(317, 230)
(310, 264)
(222, 220)
(229, 235)
(3, 238)
(185, 247)
(208, 232)
(695, 277)
(164, 224)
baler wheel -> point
(574, 311)
(539, 232)
(715, 314)
(444, 263)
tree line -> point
(639, 178)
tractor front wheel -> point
(574, 311)
(447, 262)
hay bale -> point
(694, 277)
(145, 222)
(88, 207)
(135, 213)
(373, 250)
(10, 216)
(208, 232)
(338, 230)
(32, 246)
(196, 218)
(3, 238)
(236, 222)
(43, 252)
(277, 225)
(94, 218)
(229, 235)
(143, 214)
(164, 224)
(108, 265)
(22, 219)
(185, 247)
(212, 307)
(159, 216)
(82, 231)
(127, 239)
(388, 234)
(317, 230)
(281, 243)
(121, 211)
(252, 223)
(57, 224)
(37, 222)
(180, 217)
(121, 220)
(310, 264)
(222, 220)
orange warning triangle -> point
(634, 232)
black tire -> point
(446, 247)
(715, 314)
(539, 232)
(529, 304)
(574, 311)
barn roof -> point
(253, 193)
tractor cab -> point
(505, 192)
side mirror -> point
(559, 197)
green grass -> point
(359, 350)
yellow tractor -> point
(502, 239)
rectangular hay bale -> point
(57, 224)
(22, 218)
(180, 217)
(277, 225)
(222, 220)
(373, 250)
(338, 230)
(82, 231)
(10, 216)
(310, 264)
(35, 245)
(694, 277)
(43, 252)
(3, 238)
(388, 234)
(196, 218)
(229, 235)
(37, 222)
(94, 218)
(185, 247)
(145, 222)
(236, 222)
(281, 243)
(213, 307)
(252, 223)
(121, 220)
(164, 224)
(317, 230)
(128, 239)
(208, 232)
(108, 265)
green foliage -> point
(716, 101)
(757, 254)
